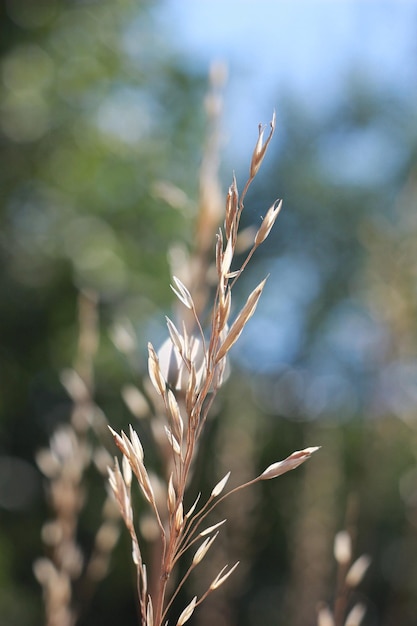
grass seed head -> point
(356, 615)
(210, 529)
(176, 338)
(261, 147)
(172, 496)
(220, 486)
(291, 462)
(268, 222)
(149, 612)
(193, 507)
(358, 570)
(182, 293)
(325, 617)
(179, 517)
(220, 579)
(241, 320)
(177, 421)
(173, 442)
(232, 202)
(155, 374)
(342, 547)
(187, 612)
(203, 549)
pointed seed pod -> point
(176, 338)
(357, 570)
(193, 507)
(155, 375)
(225, 302)
(268, 222)
(356, 615)
(291, 462)
(177, 421)
(342, 548)
(210, 529)
(172, 440)
(149, 612)
(325, 617)
(182, 293)
(187, 612)
(219, 252)
(136, 444)
(127, 472)
(119, 441)
(227, 259)
(172, 496)
(260, 148)
(220, 486)
(239, 323)
(232, 201)
(203, 549)
(179, 517)
(219, 580)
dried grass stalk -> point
(67, 570)
(186, 374)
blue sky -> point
(307, 48)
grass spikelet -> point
(182, 293)
(220, 486)
(220, 579)
(187, 612)
(203, 549)
(210, 529)
(155, 374)
(291, 462)
(268, 222)
(241, 321)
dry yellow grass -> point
(186, 375)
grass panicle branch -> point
(186, 375)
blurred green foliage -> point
(97, 114)
(100, 122)
(93, 118)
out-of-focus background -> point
(102, 127)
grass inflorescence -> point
(186, 375)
